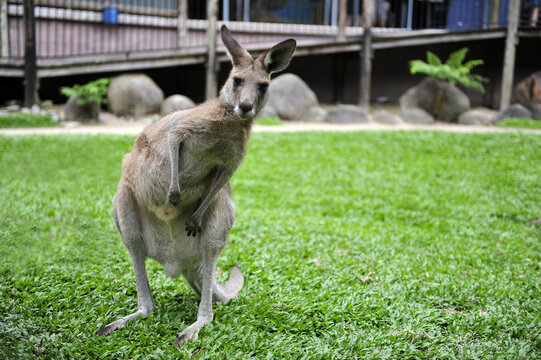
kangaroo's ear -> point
(236, 52)
(278, 57)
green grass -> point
(361, 245)
(21, 120)
(270, 121)
(520, 123)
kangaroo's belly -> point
(168, 243)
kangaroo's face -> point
(246, 88)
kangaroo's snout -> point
(245, 109)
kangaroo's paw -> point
(191, 333)
(120, 323)
(193, 226)
(108, 329)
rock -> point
(46, 104)
(35, 109)
(475, 117)
(528, 94)
(85, 113)
(13, 108)
(174, 103)
(267, 111)
(408, 99)
(54, 115)
(385, 117)
(416, 116)
(347, 114)
(291, 97)
(453, 101)
(147, 120)
(69, 124)
(512, 111)
(316, 114)
(134, 94)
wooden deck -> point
(69, 47)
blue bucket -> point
(110, 15)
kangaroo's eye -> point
(237, 82)
(263, 87)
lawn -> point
(520, 123)
(358, 245)
(22, 120)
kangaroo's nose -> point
(245, 107)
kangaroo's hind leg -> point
(128, 224)
(216, 224)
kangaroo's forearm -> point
(222, 177)
(174, 145)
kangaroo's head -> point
(246, 88)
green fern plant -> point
(92, 92)
(454, 71)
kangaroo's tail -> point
(231, 288)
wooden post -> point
(211, 86)
(494, 14)
(366, 60)
(342, 14)
(4, 28)
(30, 62)
(509, 56)
(182, 29)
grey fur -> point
(174, 200)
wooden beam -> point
(420, 40)
(511, 41)
(30, 62)
(211, 83)
(366, 60)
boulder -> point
(291, 97)
(476, 117)
(512, 111)
(135, 95)
(84, 113)
(385, 117)
(267, 111)
(453, 101)
(347, 114)
(316, 114)
(416, 116)
(528, 94)
(174, 103)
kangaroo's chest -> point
(202, 155)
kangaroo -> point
(174, 199)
